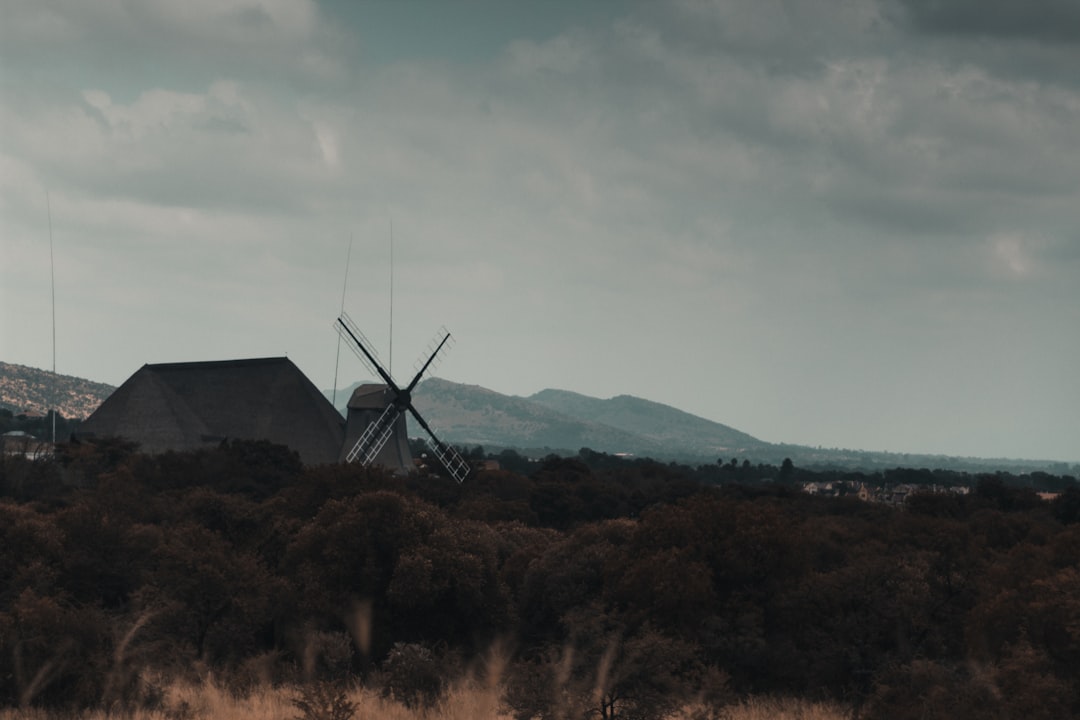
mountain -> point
(340, 399)
(26, 389)
(662, 424)
(558, 420)
(562, 420)
(472, 415)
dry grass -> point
(209, 701)
(476, 696)
(469, 701)
(767, 708)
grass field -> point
(209, 701)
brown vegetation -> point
(209, 701)
(235, 582)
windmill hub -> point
(403, 399)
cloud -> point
(284, 43)
(797, 203)
(1055, 21)
(884, 136)
(1012, 254)
(601, 129)
(224, 147)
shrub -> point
(413, 675)
(926, 690)
(323, 701)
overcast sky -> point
(847, 223)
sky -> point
(845, 223)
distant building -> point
(17, 442)
(187, 406)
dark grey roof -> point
(183, 406)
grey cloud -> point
(834, 169)
(1035, 41)
(778, 35)
(253, 18)
(218, 124)
(1054, 21)
(902, 210)
(147, 44)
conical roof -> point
(184, 406)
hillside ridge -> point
(662, 423)
(25, 389)
(474, 415)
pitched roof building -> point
(185, 406)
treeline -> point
(618, 588)
(39, 426)
(745, 472)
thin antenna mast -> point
(344, 286)
(52, 278)
(390, 363)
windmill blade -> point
(374, 437)
(431, 358)
(363, 348)
(449, 457)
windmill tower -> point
(376, 413)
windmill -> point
(396, 400)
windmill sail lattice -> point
(374, 437)
(399, 400)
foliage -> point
(622, 588)
(323, 701)
(413, 675)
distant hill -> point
(562, 421)
(558, 420)
(341, 398)
(662, 424)
(26, 389)
(472, 415)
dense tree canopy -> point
(623, 587)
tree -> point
(647, 675)
(447, 587)
(787, 471)
(208, 593)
